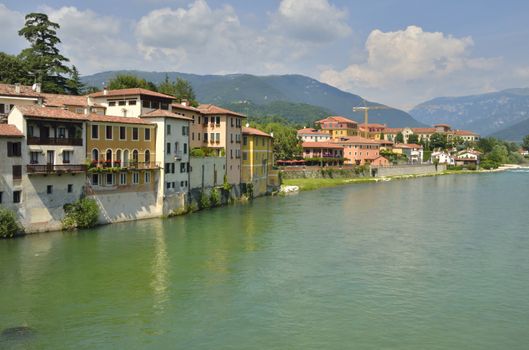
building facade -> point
(257, 159)
(338, 126)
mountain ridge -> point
(297, 93)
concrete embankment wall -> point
(425, 169)
(319, 173)
(127, 206)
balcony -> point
(116, 166)
(178, 155)
(55, 169)
(54, 141)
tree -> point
(12, 70)
(498, 154)
(438, 140)
(287, 144)
(399, 138)
(413, 138)
(181, 89)
(74, 84)
(43, 58)
(525, 143)
(129, 81)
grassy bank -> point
(313, 184)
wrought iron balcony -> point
(54, 141)
(55, 169)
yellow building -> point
(339, 127)
(257, 160)
(121, 154)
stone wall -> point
(396, 170)
(318, 173)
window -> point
(173, 168)
(168, 129)
(135, 178)
(193, 136)
(231, 122)
(212, 137)
(245, 140)
(135, 135)
(122, 133)
(182, 167)
(231, 138)
(122, 103)
(185, 148)
(108, 132)
(168, 148)
(16, 196)
(95, 179)
(110, 179)
(95, 155)
(217, 120)
(231, 153)
(70, 188)
(65, 157)
(244, 156)
(164, 106)
(183, 131)
(14, 149)
(30, 130)
(132, 103)
(49, 189)
(198, 136)
(205, 120)
(146, 104)
(168, 185)
(217, 136)
(62, 133)
(135, 156)
(205, 137)
(147, 156)
(95, 131)
(167, 168)
(112, 103)
(147, 134)
(17, 172)
(147, 179)
(123, 178)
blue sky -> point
(395, 52)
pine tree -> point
(181, 89)
(43, 58)
(74, 84)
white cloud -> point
(315, 21)
(94, 42)
(412, 62)
(12, 22)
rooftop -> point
(312, 131)
(58, 100)
(212, 109)
(116, 119)
(129, 92)
(357, 139)
(336, 119)
(253, 131)
(50, 113)
(8, 130)
(187, 108)
(25, 91)
(321, 145)
(161, 113)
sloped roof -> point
(115, 119)
(312, 131)
(59, 100)
(161, 113)
(187, 108)
(212, 109)
(357, 139)
(336, 119)
(253, 131)
(464, 133)
(424, 130)
(50, 113)
(128, 92)
(9, 130)
(25, 91)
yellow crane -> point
(366, 110)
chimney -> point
(272, 134)
(17, 88)
(184, 103)
(247, 125)
(105, 91)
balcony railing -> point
(55, 169)
(119, 165)
(55, 141)
(178, 155)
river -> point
(428, 263)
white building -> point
(11, 140)
(313, 135)
(443, 157)
(53, 164)
(16, 94)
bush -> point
(214, 198)
(454, 167)
(249, 190)
(9, 226)
(472, 167)
(204, 202)
(198, 152)
(80, 214)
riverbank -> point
(314, 184)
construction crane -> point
(366, 110)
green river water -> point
(429, 263)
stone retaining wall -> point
(397, 170)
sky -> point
(396, 52)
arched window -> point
(108, 157)
(126, 158)
(118, 157)
(147, 156)
(95, 155)
(135, 156)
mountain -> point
(514, 133)
(295, 97)
(486, 114)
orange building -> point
(359, 150)
(339, 126)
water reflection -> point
(160, 263)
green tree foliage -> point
(8, 224)
(80, 214)
(438, 140)
(181, 89)
(399, 138)
(12, 70)
(413, 138)
(129, 81)
(287, 144)
(525, 143)
(43, 58)
(74, 86)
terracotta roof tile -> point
(187, 108)
(59, 100)
(9, 130)
(336, 119)
(25, 91)
(357, 139)
(424, 130)
(321, 145)
(128, 92)
(253, 131)
(50, 113)
(161, 113)
(312, 131)
(212, 109)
